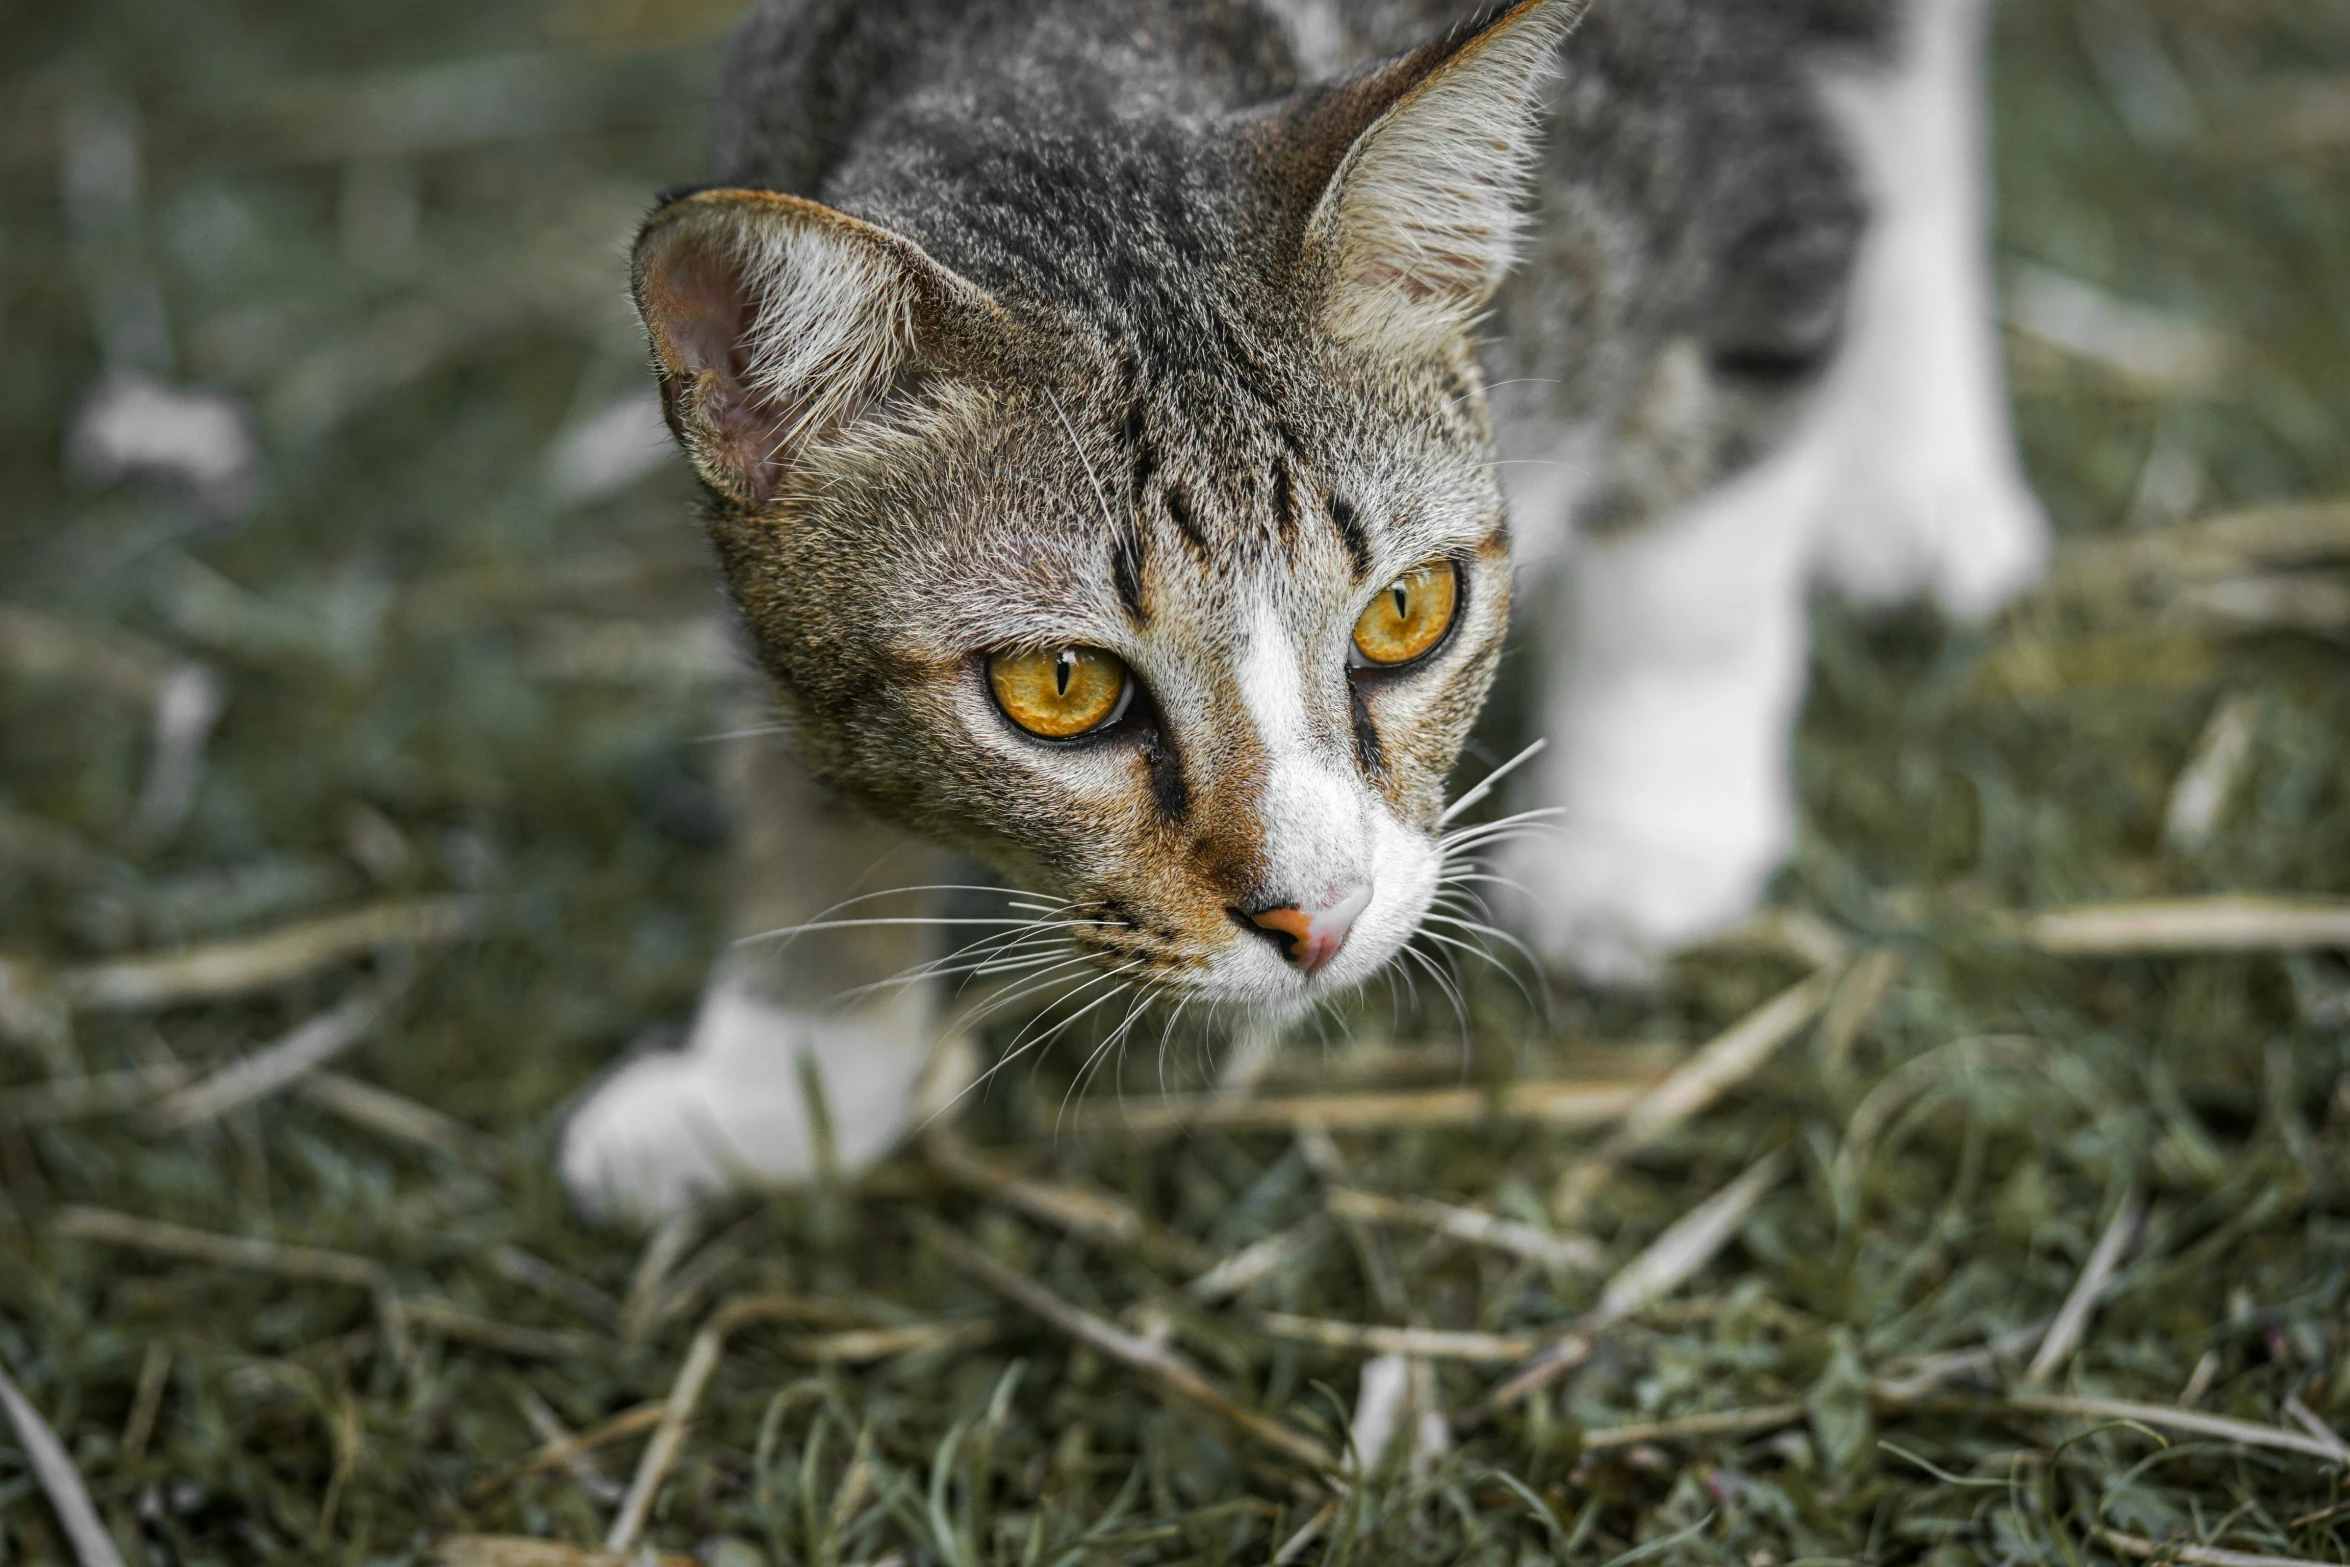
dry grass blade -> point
(1692, 1428)
(1163, 1367)
(1724, 1061)
(1858, 995)
(1253, 1264)
(1924, 1373)
(454, 1322)
(521, 1550)
(582, 1468)
(1569, 1103)
(2162, 1417)
(1471, 1225)
(381, 1110)
(1425, 1343)
(1307, 1533)
(309, 1046)
(2227, 923)
(685, 1395)
(228, 1251)
(671, 1239)
(68, 1497)
(1081, 1210)
(2308, 1420)
(233, 1251)
(146, 1402)
(232, 968)
(2072, 1318)
(517, 1266)
(2191, 1555)
(701, 1359)
(1687, 1245)
(78, 1098)
(861, 1346)
(1793, 933)
(2200, 794)
(555, 1454)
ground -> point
(454, 630)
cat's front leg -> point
(1672, 667)
(1929, 498)
(730, 1108)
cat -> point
(1126, 424)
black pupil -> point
(1403, 601)
(1064, 668)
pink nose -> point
(1311, 937)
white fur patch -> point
(1668, 714)
(1325, 833)
(669, 1130)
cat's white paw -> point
(1970, 535)
(1609, 904)
(671, 1129)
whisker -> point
(1451, 403)
(1019, 1047)
(1460, 835)
(1099, 494)
(1452, 994)
(1478, 837)
(1508, 973)
(1487, 784)
(937, 921)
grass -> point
(394, 233)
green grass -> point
(405, 627)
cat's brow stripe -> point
(1349, 526)
(1126, 571)
(1179, 513)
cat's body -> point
(1137, 349)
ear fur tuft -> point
(1421, 217)
(774, 321)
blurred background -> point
(355, 632)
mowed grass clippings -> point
(1992, 1253)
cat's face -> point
(1152, 699)
(1183, 632)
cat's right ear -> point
(777, 323)
(1415, 175)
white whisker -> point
(1491, 779)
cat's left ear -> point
(1428, 159)
(778, 323)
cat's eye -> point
(1060, 693)
(1410, 615)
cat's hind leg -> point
(730, 1109)
(1929, 497)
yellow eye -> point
(1410, 616)
(1059, 693)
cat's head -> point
(1136, 530)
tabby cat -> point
(1126, 424)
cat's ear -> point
(776, 322)
(1419, 214)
